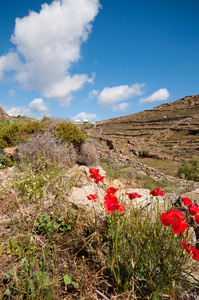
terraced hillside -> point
(169, 131)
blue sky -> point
(95, 60)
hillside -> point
(166, 132)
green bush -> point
(145, 153)
(5, 161)
(14, 133)
(3, 123)
(68, 132)
(189, 171)
(10, 134)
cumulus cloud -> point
(110, 96)
(160, 95)
(83, 116)
(38, 105)
(47, 44)
(121, 107)
(16, 111)
(93, 94)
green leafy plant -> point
(68, 280)
(46, 225)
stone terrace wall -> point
(119, 158)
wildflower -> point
(157, 192)
(111, 190)
(133, 195)
(187, 201)
(197, 219)
(186, 246)
(179, 227)
(111, 204)
(92, 197)
(94, 172)
(175, 218)
(83, 227)
(66, 221)
(193, 209)
(99, 178)
(195, 253)
(165, 219)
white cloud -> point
(12, 93)
(83, 116)
(121, 107)
(63, 89)
(160, 95)
(47, 44)
(38, 105)
(16, 111)
(93, 94)
(110, 96)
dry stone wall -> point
(123, 159)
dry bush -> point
(48, 146)
(87, 154)
(53, 148)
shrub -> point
(145, 153)
(50, 147)
(54, 149)
(189, 171)
(148, 185)
(87, 154)
(68, 132)
(14, 133)
(5, 161)
(9, 134)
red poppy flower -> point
(92, 197)
(175, 218)
(111, 204)
(193, 209)
(187, 201)
(110, 197)
(179, 227)
(111, 190)
(133, 195)
(157, 192)
(186, 246)
(195, 253)
(94, 172)
(99, 178)
(165, 219)
(197, 219)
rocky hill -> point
(166, 132)
(3, 115)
